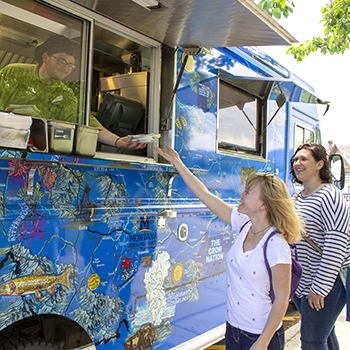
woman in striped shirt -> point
(320, 296)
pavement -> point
(342, 329)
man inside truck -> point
(40, 91)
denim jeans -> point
(236, 339)
(317, 327)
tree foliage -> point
(277, 8)
(335, 20)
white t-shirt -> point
(248, 303)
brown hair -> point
(318, 153)
(56, 44)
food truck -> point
(106, 248)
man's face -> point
(58, 66)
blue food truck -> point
(108, 249)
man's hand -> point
(126, 142)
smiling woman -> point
(320, 296)
(310, 167)
(254, 321)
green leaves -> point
(277, 8)
(335, 20)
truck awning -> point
(272, 88)
(203, 23)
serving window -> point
(120, 87)
(104, 51)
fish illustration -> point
(35, 283)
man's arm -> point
(107, 137)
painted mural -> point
(83, 246)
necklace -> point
(255, 233)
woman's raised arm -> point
(215, 204)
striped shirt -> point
(326, 217)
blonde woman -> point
(253, 321)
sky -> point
(328, 75)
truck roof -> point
(203, 23)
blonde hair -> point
(280, 206)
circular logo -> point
(182, 232)
(94, 281)
(178, 272)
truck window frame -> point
(154, 76)
(305, 133)
(236, 149)
(88, 21)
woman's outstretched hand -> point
(169, 154)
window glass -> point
(41, 61)
(238, 119)
(309, 136)
(299, 136)
(318, 136)
(303, 135)
(120, 77)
